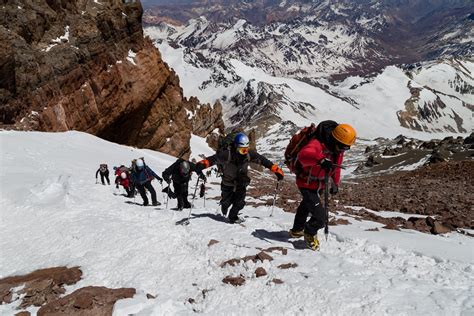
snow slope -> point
(54, 214)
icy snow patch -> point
(131, 56)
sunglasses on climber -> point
(342, 147)
(243, 150)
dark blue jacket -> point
(144, 175)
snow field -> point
(54, 214)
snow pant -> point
(235, 196)
(104, 175)
(311, 204)
(132, 189)
(181, 190)
(129, 191)
(147, 185)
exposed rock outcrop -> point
(85, 65)
(91, 300)
(43, 288)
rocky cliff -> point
(85, 65)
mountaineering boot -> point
(311, 241)
(156, 203)
(237, 220)
(296, 233)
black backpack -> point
(324, 131)
(226, 141)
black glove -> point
(167, 179)
(160, 180)
(116, 186)
(199, 167)
(334, 189)
(326, 165)
(279, 176)
(202, 177)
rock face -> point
(40, 287)
(84, 65)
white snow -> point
(131, 57)
(59, 39)
(54, 214)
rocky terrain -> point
(44, 289)
(433, 182)
(85, 65)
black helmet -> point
(184, 168)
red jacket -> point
(309, 157)
(124, 182)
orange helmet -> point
(345, 134)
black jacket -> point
(173, 172)
(235, 166)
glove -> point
(116, 186)
(326, 164)
(334, 189)
(160, 180)
(202, 177)
(278, 172)
(167, 179)
(201, 165)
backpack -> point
(226, 141)
(322, 133)
(103, 168)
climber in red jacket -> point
(318, 157)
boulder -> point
(439, 228)
(259, 272)
(235, 281)
(469, 140)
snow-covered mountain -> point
(321, 38)
(53, 214)
(405, 67)
(433, 97)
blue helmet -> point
(241, 140)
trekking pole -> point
(274, 197)
(186, 222)
(204, 194)
(326, 201)
(167, 197)
(162, 193)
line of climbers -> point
(312, 154)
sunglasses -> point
(243, 150)
(342, 147)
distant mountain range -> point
(274, 61)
